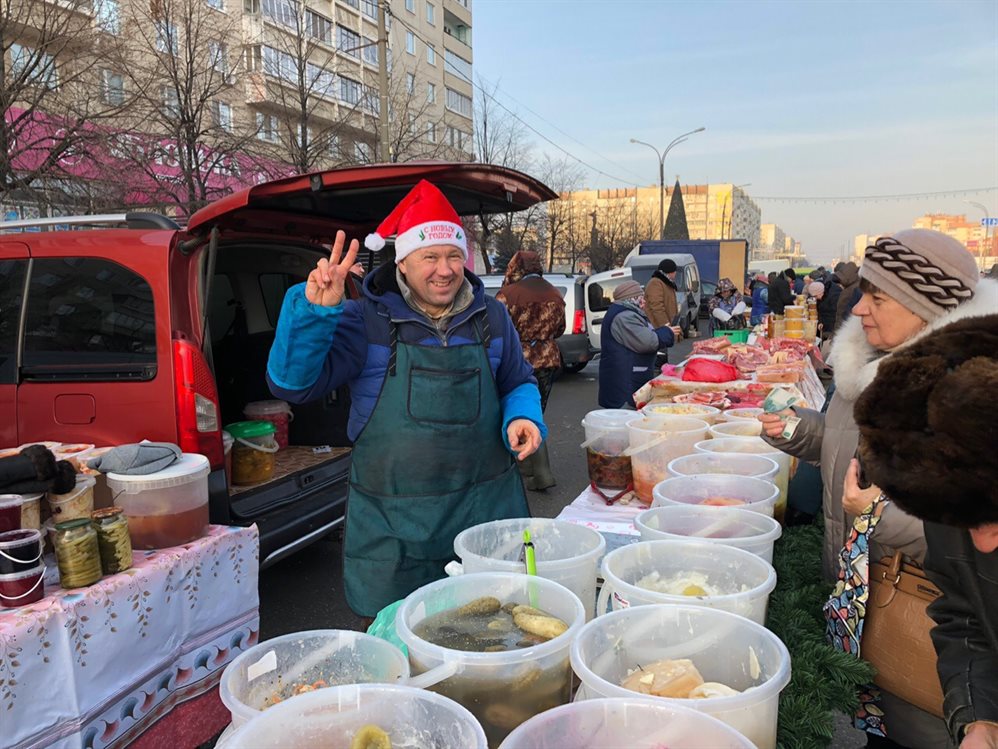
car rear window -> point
(11, 294)
(88, 318)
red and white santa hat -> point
(423, 218)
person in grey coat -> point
(913, 284)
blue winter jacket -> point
(317, 349)
(760, 302)
(622, 370)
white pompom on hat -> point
(423, 218)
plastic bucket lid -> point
(260, 408)
(608, 418)
(412, 718)
(191, 467)
(625, 722)
(11, 500)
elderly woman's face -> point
(886, 322)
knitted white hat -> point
(423, 218)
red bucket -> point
(22, 588)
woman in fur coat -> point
(914, 284)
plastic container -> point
(733, 414)
(271, 671)
(20, 551)
(76, 504)
(705, 413)
(412, 718)
(742, 445)
(31, 511)
(743, 580)
(166, 508)
(566, 553)
(664, 438)
(606, 441)
(501, 689)
(633, 722)
(227, 441)
(276, 412)
(252, 451)
(10, 512)
(731, 526)
(717, 490)
(736, 428)
(726, 464)
(735, 336)
(47, 444)
(77, 451)
(22, 588)
(725, 648)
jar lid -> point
(106, 512)
(249, 429)
(65, 525)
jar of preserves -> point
(113, 540)
(253, 451)
(77, 553)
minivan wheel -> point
(574, 368)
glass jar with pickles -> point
(77, 553)
(112, 539)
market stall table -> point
(134, 659)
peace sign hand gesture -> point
(325, 283)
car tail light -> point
(198, 427)
(579, 322)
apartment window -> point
(166, 38)
(412, 124)
(347, 41)
(305, 136)
(458, 102)
(431, 132)
(429, 14)
(221, 115)
(218, 53)
(108, 16)
(266, 127)
(410, 5)
(457, 65)
(410, 83)
(37, 67)
(254, 57)
(370, 51)
(371, 100)
(333, 146)
(369, 8)
(319, 27)
(320, 81)
(353, 3)
(349, 90)
(251, 6)
(216, 4)
(279, 64)
(431, 55)
(171, 102)
(431, 93)
(410, 42)
(458, 138)
(112, 87)
(362, 152)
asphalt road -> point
(305, 591)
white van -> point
(600, 286)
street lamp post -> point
(987, 224)
(661, 173)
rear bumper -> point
(575, 348)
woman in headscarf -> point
(727, 308)
(538, 312)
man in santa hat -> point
(442, 398)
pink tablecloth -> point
(98, 666)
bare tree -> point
(414, 131)
(177, 60)
(52, 95)
(563, 176)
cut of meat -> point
(711, 345)
(746, 358)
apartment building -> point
(229, 91)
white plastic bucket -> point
(756, 446)
(724, 647)
(736, 428)
(711, 489)
(565, 552)
(706, 413)
(636, 723)
(412, 718)
(731, 526)
(655, 442)
(733, 414)
(756, 466)
(743, 579)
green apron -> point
(429, 463)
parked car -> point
(576, 352)
(600, 286)
(707, 290)
(141, 329)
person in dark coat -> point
(780, 293)
(760, 298)
(628, 346)
(847, 275)
(796, 284)
(928, 425)
(538, 313)
(828, 297)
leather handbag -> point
(896, 633)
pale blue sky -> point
(799, 98)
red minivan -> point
(115, 329)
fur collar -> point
(856, 362)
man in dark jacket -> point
(780, 293)
(628, 344)
(928, 429)
(760, 298)
(847, 275)
(662, 301)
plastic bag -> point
(708, 370)
(383, 626)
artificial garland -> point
(823, 681)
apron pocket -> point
(444, 396)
